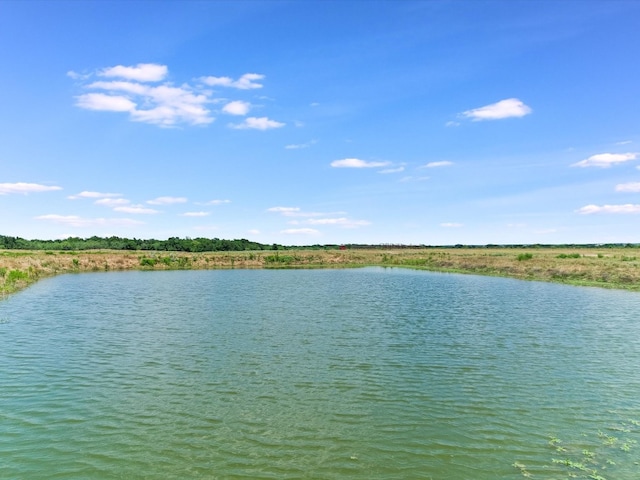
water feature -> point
(367, 373)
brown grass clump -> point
(607, 267)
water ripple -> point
(372, 373)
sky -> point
(322, 122)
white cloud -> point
(86, 194)
(253, 231)
(392, 170)
(627, 208)
(167, 200)
(343, 222)
(296, 146)
(25, 188)
(284, 210)
(605, 160)
(451, 123)
(300, 231)
(257, 123)
(624, 142)
(163, 105)
(248, 81)
(357, 163)
(120, 86)
(174, 105)
(112, 202)
(511, 107)
(413, 179)
(237, 107)
(105, 103)
(215, 202)
(451, 225)
(444, 163)
(75, 221)
(195, 214)
(136, 209)
(628, 187)
(77, 76)
(127, 89)
(143, 72)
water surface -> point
(326, 374)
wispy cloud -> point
(237, 107)
(342, 222)
(391, 170)
(297, 212)
(257, 123)
(626, 208)
(92, 195)
(167, 200)
(248, 81)
(25, 188)
(605, 160)
(123, 205)
(443, 163)
(284, 210)
(112, 202)
(511, 107)
(76, 221)
(300, 231)
(296, 146)
(451, 225)
(628, 187)
(143, 72)
(253, 231)
(357, 163)
(136, 209)
(214, 202)
(195, 214)
(410, 178)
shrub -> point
(569, 255)
(15, 275)
(148, 262)
(524, 256)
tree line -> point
(173, 244)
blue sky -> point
(415, 122)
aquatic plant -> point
(599, 456)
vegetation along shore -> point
(600, 266)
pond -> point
(372, 373)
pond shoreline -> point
(617, 268)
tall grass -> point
(607, 267)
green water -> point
(318, 374)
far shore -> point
(617, 268)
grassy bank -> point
(606, 267)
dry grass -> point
(607, 267)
